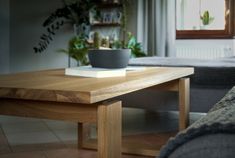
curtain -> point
(156, 26)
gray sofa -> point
(212, 136)
(212, 79)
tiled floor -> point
(38, 138)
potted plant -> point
(206, 18)
(117, 56)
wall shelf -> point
(106, 25)
(109, 5)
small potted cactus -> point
(206, 18)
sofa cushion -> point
(207, 146)
(219, 120)
(217, 72)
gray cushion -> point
(219, 120)
(207, 146)
(218, 72)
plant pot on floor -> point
(110, 59)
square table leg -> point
(109, 125)
(83, 134)
(184, 101)
(109, 131)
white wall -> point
(26, 28)
(132, 17)
(4, 36)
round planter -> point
(110, 59)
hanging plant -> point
(75, 12)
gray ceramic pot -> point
(111, 59)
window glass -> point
(201, 14)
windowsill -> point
(204, 34)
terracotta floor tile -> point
(70, 153)
(140, 141)
(24, 155)
(4, 150)
(135, 156)
(74, 153)
(71, 144)
(152, 142)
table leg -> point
(83, 134)
(184, 85)
(109, 130)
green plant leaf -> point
(136, 48)
(206, 18)
(77, 49)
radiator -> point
(203, 52)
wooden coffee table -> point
(52, 95)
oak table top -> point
(53, 85)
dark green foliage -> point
(136, 48)
(76, 12)
(77, 49)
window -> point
(204, 18)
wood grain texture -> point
(109, 130)
(53, 85)
(136, 148)
(139, 144)
(184, 101)
(168, 86)
(49, 110)
(84, 132)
